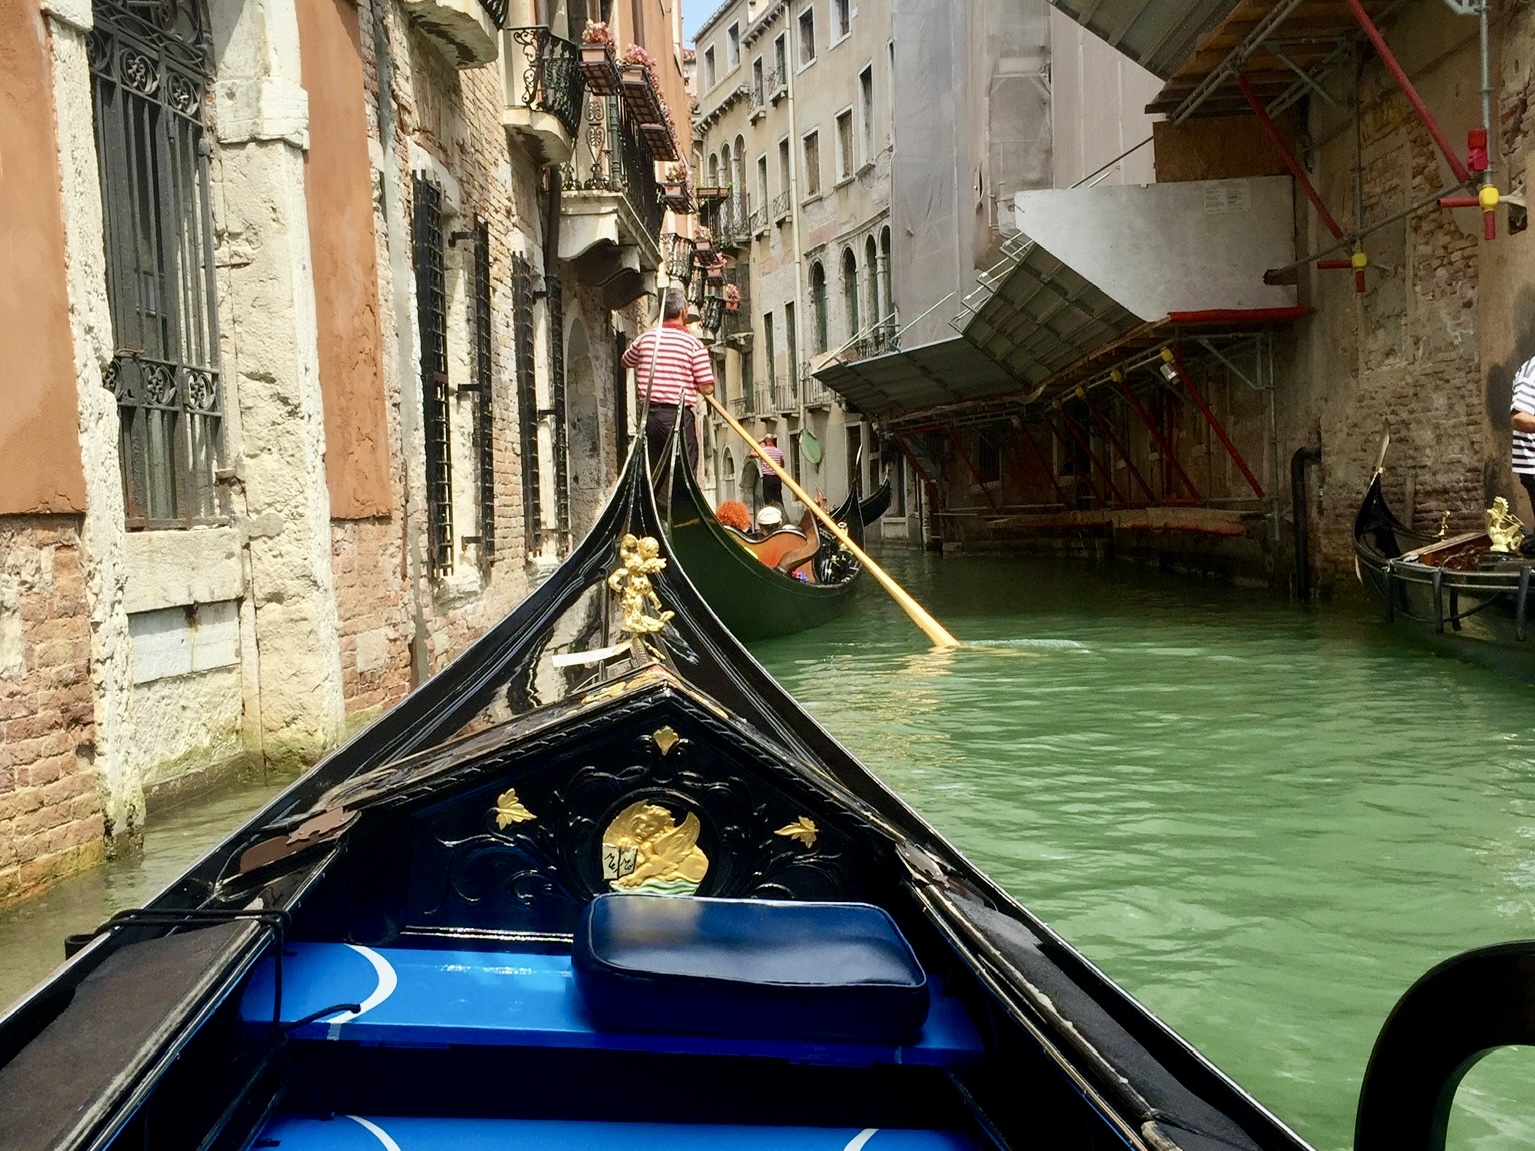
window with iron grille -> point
(432, 320)
(527, 399)
(484, 423)
(151, 65)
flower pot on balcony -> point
(599, 69)
(640, 93)
(712, 191)
(659, 138)
(674, 193)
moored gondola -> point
(1453, 586)
(798, 579)
(599, 882)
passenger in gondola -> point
(671, 366)
(769, 520)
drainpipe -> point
(791, 14)
(1298, 503)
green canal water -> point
(1264, 821)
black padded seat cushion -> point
(838, 972)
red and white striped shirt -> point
(682, 365)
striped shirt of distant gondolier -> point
(1524, 401)
(682, 366)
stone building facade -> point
(867, 157)
(794, 129)
(319, 384)
(1401, 312)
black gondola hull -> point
(1482, 607)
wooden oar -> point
(931, 627)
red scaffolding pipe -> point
(1303, 180)
(969, 463)
(1168, 455)
(1039, 454)
(1086, 445)
(1215, 424)
(1092, 485)
(1388, 58)
(1108, 430)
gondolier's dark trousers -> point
(658, 431)
(1529, 485)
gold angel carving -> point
(646, 849)
(1503, 527)
(641, 557)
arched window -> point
(887, 305)
(871, 280)
(818, 305)
(850, 292)
(738, 172)
(714, 168)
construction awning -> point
(943, 372)
(1159, 35)
(1095, 273)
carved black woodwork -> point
(526, 865)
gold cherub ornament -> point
(1503, 527)
(642, 559)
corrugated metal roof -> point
(1159, 35)
(1043, 317)
(930, 375)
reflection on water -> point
(1265, 822)
(32, 933)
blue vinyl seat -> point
(373, 1133)
(814, 972)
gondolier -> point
(772, 486)
(1523, 420)
(672, 365)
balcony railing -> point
(780, 205)
(777, 84)
(817, 394)
(740, 407)
(730, 219)
(786, 394)
(611, 157)
(545, 75)
(762, 400)
(882, 337)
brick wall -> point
(50, 814)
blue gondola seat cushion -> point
(833, 972)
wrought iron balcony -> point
(740, 407)
(786, 394)
(612, 204)
(543, 90)
(817, 394)
(781, 206)
(762, 399)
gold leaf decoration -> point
(509, 809)
(802, 830)
(665, 738)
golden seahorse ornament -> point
(641, 558)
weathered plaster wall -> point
(39, 454)
(339, 194)
(270, 351)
